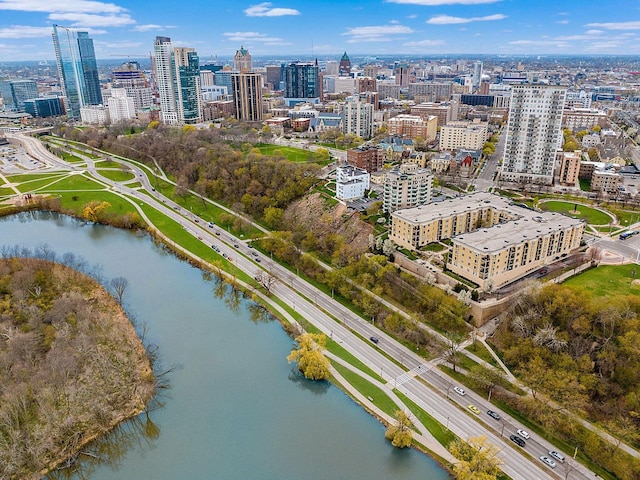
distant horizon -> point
(327, 27)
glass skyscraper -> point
(301, 80)
(77, 69)
(16, 92)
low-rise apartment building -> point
(351, 182)
(494, 241)
(470, 135)
(366, 157)
(407, 186)
(414, 126)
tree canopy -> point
(311, 361)
(400, 433)
(477, 459)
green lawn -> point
(479, 350)
(433, 247)
(439, 431)
(380, 399)
(298, 155)
(117, 175)
(590, 215)
(607, 280)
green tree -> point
(311, 361)
(400, 433)
(477, 460)
(273, 216)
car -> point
(548, 461)
(543, 271)
(250, 246)
(474, 409)
(374, 339)
(218, 233)
(213, 246)
(258, 260)
(199, 237)
(254, 254)
(235, 245)
(523, 433)
(517, 440)
(196, 220)
(557, 455)
(210, 224)
(493, 414)
(459, 391)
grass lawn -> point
(585, 185)
(7, 192)
(117, 175)
(433, 247)
(607, 280)
(67, 182)
(29, 177)
(439, 431)
(338, 350)
(100, 164)
(380, 399)
(298, 155)
(479, 350)
(590, 215)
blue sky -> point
(327, 27)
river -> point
(236, 409)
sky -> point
(326, 28)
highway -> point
(425, 385)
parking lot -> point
(15, 160)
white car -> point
(459, 391)
(523, 433)
(548, 461)
(558, 456)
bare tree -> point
(452, 352)
(266, 280)
(119, 286)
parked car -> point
(548, 461)
(493, 414)
(523, 433)
(557, 455)
(374, 339)
(517, 440)
(459, 391)
(474, 409)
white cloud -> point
(264, 10)
(563, 22)
(449, 20)
(433, 3)
(124, 44)
(148, 27)
(88, 20)
(375, 33)
(616, 25)
(60, 6)
(25, 31)
(412, 16)
(424, 43)
(593, 32)
(543, 43)
(249, 36)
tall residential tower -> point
(534, 133)
(77, 69)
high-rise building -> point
(301, 83)
(401, 73)
(344, 69)
(77, 69)
(188, 78)
(358, 117)
(406, 186)
(477, 74)
(274, 76)
(247, 88)
(121, 106)
(242, 60)
(534, 133)
(130, 77)
(44, 107)
(178, 82)
(164, 66)
(16, 92)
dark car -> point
(493, 414)
(517, 440)
(374, 339)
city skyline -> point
(327, 27)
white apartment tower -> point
(534, 133)
(477, 74)
(121, 106)
(358, 118)
(164, 67)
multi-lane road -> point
(427, 386)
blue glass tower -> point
(77, 69)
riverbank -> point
(72, 365)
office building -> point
(44, 107)
(401, 73)
(242, 60)
(431, 91)
(247, 95)
(178, 82)
(344, 69)
(388, 89)
(77, 69)
(534, 133)
(16, 92)
(274, 76)
(406, 186)
(301, 83)
(463, 134)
